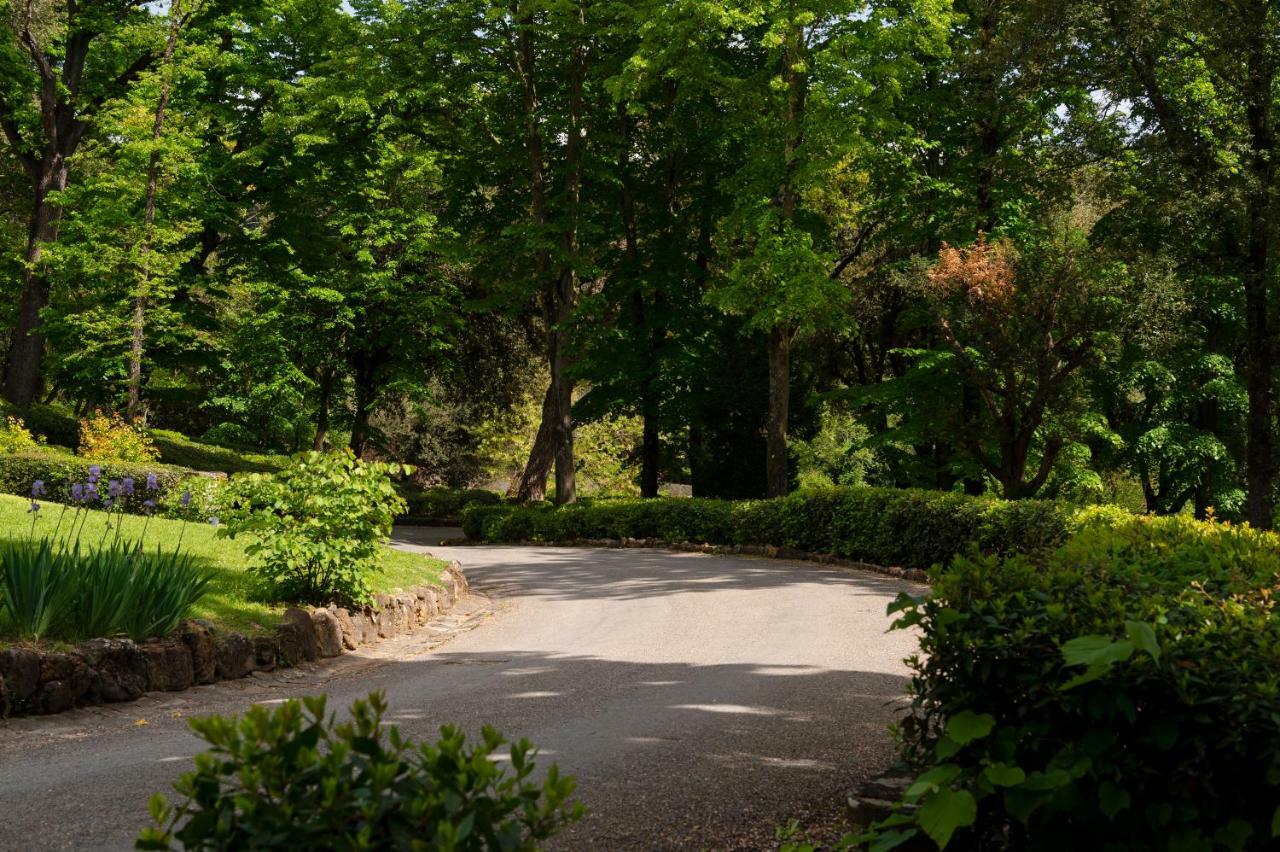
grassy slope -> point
(230, 601)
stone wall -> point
(34, 681)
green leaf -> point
(967, 726)
(931, 780)
(1275, 823)
(1143, 636)
(1004, 775)
(1112, 798)
(1096, 650)
(944, 812)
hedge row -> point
(900, 527)
(1123, 693)
(446, 504)
(59, 471)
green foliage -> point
(317, 525)
(179, 450)
(59, 587)
(289, 773)
(446, 504)
(109, 438)
(1123, 692)
(16, 438)
(885, 526)
(60, 470)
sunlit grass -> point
(233, 599)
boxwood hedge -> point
(1122, 693)
(59, 471)
(887, 526)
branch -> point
(967, 364)
(856, 251)
(1051, 449)
(14, 134)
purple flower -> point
(37, 489)
(126, 485)
(91, 492)
(114, 488)
(152, 482)
(213, 522)
(95, 473)
(148, 506)
(186, 499)
(77, 492)
(106, 502)
(35, 507)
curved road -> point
(700, 700)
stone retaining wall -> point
(100, 671)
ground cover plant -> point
(294, 773)
(234, 598)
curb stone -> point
(35, 682)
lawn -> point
(231, 601)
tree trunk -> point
(1258, 357)
(24, 377)
(133, 407)
(777, 476)
(322, 414)
(650, 445)
(532, 483)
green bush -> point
(51, 422)
(317, 525)
(60, 471)
(289, 776)
(446, 504)
(107, 437)
(177, 449)
(880, 525)
(1123, 693)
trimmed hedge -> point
(1122, 693)
(446, 504)
(180, 451)
(59, 471)
(885, 526)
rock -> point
(121, 668)
(328, 633)
(366, 627)
(385, 621)
(347, 627)
(291, 642)
(234, 656)
(169, 666)
(198, 637)
(266, 651)
(406, 612)
(20, 669)
(428, 607)
(65, 681)
(301, 618)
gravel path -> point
(701, 700)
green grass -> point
(233, 600)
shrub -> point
(446, 505)
(59, 471)
(193, 497)
(109, 438)
(177, 449)
(16, 438)
(881, 525)
(317, 524)
(1123, 693)
(290, 774)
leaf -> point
(1112, 798)
(891, 840)
(931, 780)
(1275, 823)
(1143, 636)
(967, 726)
(1095, 650)
(1004, 775)
(944, 812)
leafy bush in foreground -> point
(881, 525)
(289, 776)
(1125, 694)
(317, 525)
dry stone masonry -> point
(34, 682)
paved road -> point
(700, 700)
